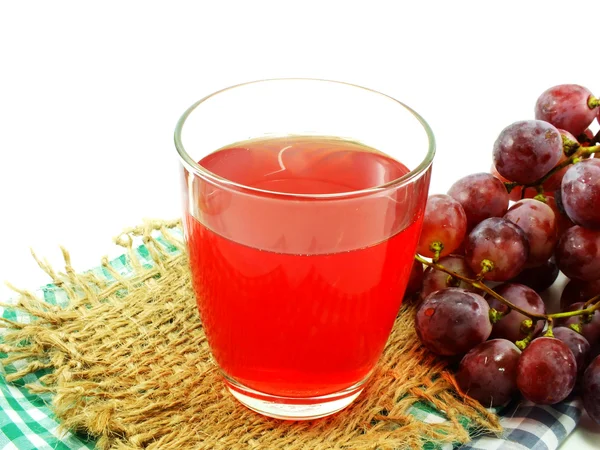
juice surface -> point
(295, 304)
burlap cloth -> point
(130, 365)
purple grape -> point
(566, 106)
(415, 280)
(501, 242)
(488, 373)
(563, 222)
(453, 321)
(538, 278)
(509, 327)
(587, 138)
(591, 390)
(547, 371)
(578, 291)
(590, 330)
(444, 221)
(580, 192)
(559, 203)
(538, 222)
(481, 195)
(578, 253)
(594, 351)
(527, 150)
(578, 345)
(553, 183)
(434, 279)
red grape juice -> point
(298, 294)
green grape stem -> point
(486, 266)
(496, 315)
(589, 308)
(549, 332)
(523, 343)
(527, 326)
(574, 158)
(576, 327)
(592, 300)
(436, 248)
(482, 287)
(593, 102)
(569, 146)
(579, 312)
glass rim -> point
(197, 169)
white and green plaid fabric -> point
(27, 421)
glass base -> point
(293, 408)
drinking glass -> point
(298, 287)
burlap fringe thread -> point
(135, 370)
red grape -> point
(557, 195)
(501, 242)
(415, 280)
(460, 250)
(453, 321)
(488, 373)
(578, 291)
(481, 195)
(509, 327)
(578, 253)
(577, 344)
(434, 279)
(538, 222)
(547, 371)
(580, 192)
(563, 223)
(566, 106)
(538, 278)
(591, 390)
(445, 222)
(553, 183)
(527, 150)
(478, 236)
(587, 137)
(590, 330)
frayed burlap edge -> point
(132, 368)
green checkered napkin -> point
(26, 419)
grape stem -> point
(593, 102)
(436, 248)
(586, 309)
(482, 287)
(549, 332)
(589, 307)
(570, 147)
(582, 152)
(592, 301)
(523, 343)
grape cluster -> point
(498, 239)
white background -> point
(90, 93)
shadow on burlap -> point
(131, 366)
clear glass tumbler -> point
(303, 204)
